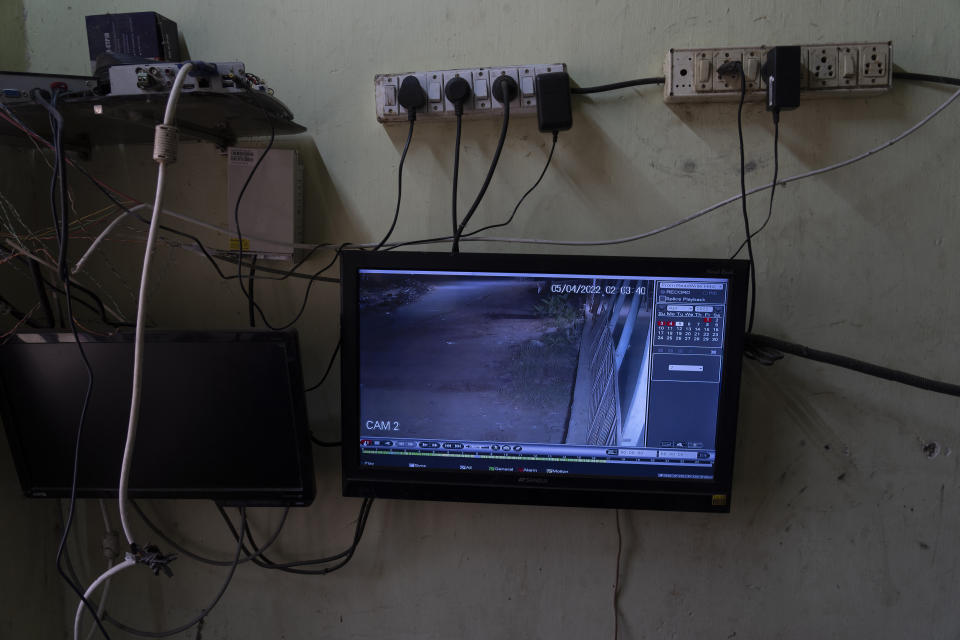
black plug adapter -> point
(782, 71)
(457, 91)
(554, 112)
(411, 96)
(505, 89)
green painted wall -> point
(841, 526)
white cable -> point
(200, 223)
(93, 245)
(703, 212)
(100, 607)
(141, 312)
(106, 575)
(108, 535)
(164, 152)
(106, 518)
(52, 267)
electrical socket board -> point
(829, 70)
(481, 103)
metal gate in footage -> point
(602, 351)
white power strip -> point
(481, 103)
(829, 71)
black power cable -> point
(76, 461)
(456, 173)
(240, 263)
(411, 97)
(61, 225)
(729, 68)
(294, 567)
(18, 315)
(196, 556)
(41, 292)
(403, 157)
(506, 87)
(546, 166)
(333, 357)
(96, 306)
(877, 371)
(618, 85)
(457, 91)
(203, 612)
(492, 226)
(773, 189)
(923, 77)
(253, 268)
(236, 213)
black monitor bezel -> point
(301, 496)
(711, 496)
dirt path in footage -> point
(457, 373)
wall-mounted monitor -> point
(542, 379)
(222, 417)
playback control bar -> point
(539, 451)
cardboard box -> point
(145, 34)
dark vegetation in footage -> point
(384, 292)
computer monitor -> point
(568, 380)
(222, 417)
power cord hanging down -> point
(504, 90)
(506, 222)
(411, 97)
(457, 90)
(773, 189)
(736, 68)
(62, 227)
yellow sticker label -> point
(719, 500)
(235, 244)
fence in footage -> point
(595, 416)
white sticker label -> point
(242, 156)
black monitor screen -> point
(222, 416)
(541, 373)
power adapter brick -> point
(554, 112)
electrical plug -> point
(457, 91)
(505, 89)
(411, 96)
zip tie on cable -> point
(150, 555)
(165, 144)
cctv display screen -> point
(541, 374)
(222, 416)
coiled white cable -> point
(106, 575)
